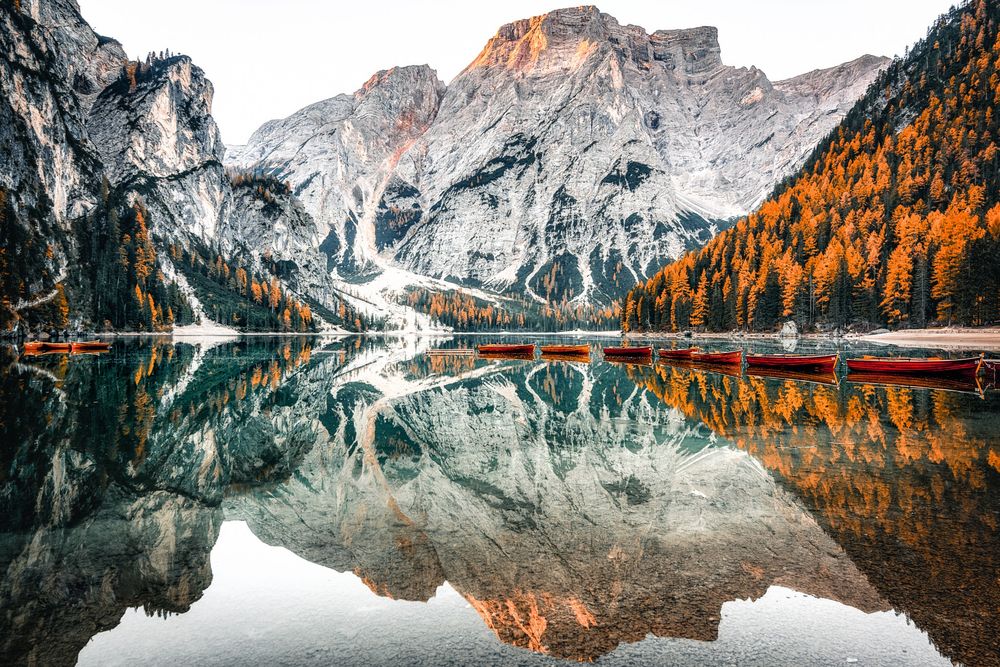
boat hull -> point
(819, 362)
(566, 350)
(730, 358)
(95, 346)
(900, 366)
(677, 355)
(42, 347)
(506, 349)
(628, 352)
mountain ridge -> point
(558, 140)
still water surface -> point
(356, 501)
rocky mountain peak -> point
(395, 77)
(567, 161)
(694, 50)
(407, 96)
(168, 129)
(565, 37)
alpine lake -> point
(356, 500)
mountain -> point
(893, 220)
(117, 210)
(568, 160)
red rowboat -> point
(731, 357)
(577, 350)
(41, 347)
(819, 362)
(915, 366)
(90, 346)
(677, 354)
(506, 349)
(628, 351)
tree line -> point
(893, 220)
(240, 297)
(464, 312)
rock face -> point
(341, 153)
(157, 138)
(75, 113)
(572, 157)
(49, 170)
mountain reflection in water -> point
(575, 507)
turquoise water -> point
(358, 501)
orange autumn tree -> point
(892, 220)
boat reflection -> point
(818, 377)
(968, 384)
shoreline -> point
(947, 338)
(987, 338)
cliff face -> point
(49, 170)
(571, 146)
(154, 130)
(340, 154)
(76, 115)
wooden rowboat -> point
(498, 351)
(818, 362)
(631, 352)
(44, 347)
(566, 350)
(90, 346)
(683, 354)
(506, 349)
(730, 357)
(915, 366)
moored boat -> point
(90, 346)
(45, 347)
(506, 349)
(915, 365)
(566, 350)
(729, 357)
(818, 362)
(677, 355)
(630, 352)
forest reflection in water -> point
(574, 507)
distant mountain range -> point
(569, 160)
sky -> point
(268, 59)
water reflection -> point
(575, 507)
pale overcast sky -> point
(269, 58)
